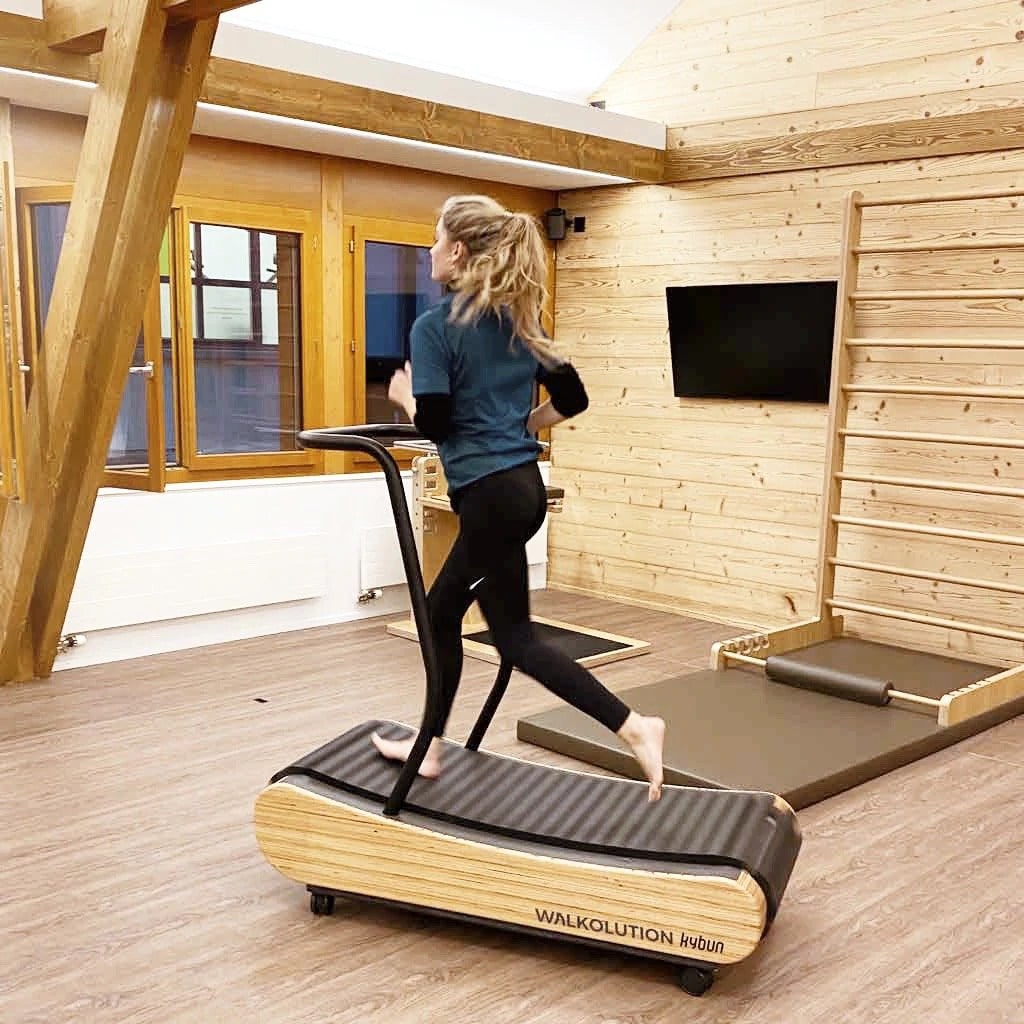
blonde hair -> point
(505, 272)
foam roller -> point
(830, 681)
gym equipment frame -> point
(808, 710)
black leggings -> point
(487, 563)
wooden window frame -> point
(12, 378)
(357, 232)
(191, 466)
(151, 477)
(250, 216)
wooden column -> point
(138, 128)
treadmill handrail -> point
(371, 439)
(347, 439)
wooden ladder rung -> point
(935, 294)
(927, 620)
(915, 199)
(934, 484)
(933, 577)
(965, 246)
(933, 391)
(1008, 344)
(910, 435)
(931, 531)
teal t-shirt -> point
(490, 379)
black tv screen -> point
(758, 341)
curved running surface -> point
(756, 832)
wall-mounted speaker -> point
(555, 223)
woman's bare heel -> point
(646, 738)
(399, 750)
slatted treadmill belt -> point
(517, 798)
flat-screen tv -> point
(758, 341)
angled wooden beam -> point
(135, 140)
(80, 26)
(246, 86)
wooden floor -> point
(133, 890)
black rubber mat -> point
(517, 798)
(737, 729)
(576, 644)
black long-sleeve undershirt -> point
(568, 395)
(433, 417)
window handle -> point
(145, 370)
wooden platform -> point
(590, 647)
(436, 526)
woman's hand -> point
(400, 390)
(545, 415)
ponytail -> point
(506, 271)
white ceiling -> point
(537, 60)
(559, 48)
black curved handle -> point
(352, 439)
(372, 439)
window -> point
(391, 286)
(219, 382)
(248, 357)
(398, 288)
(134, 458)
(246, 339)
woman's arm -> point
(400, 391)
(568, 397)
(431, 414)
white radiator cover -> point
(211, 563)
(169, 583)
(380, 558)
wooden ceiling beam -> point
(243, 86)
(135, 139)
(976, 131)
(80, 26)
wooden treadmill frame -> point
(1000, 687)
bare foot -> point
(646, 737)
(399, 750)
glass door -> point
(392, 287)
(138, 455)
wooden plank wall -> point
(712, 508)
(737, 59)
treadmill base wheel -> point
(321, 903)
(695, 981)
